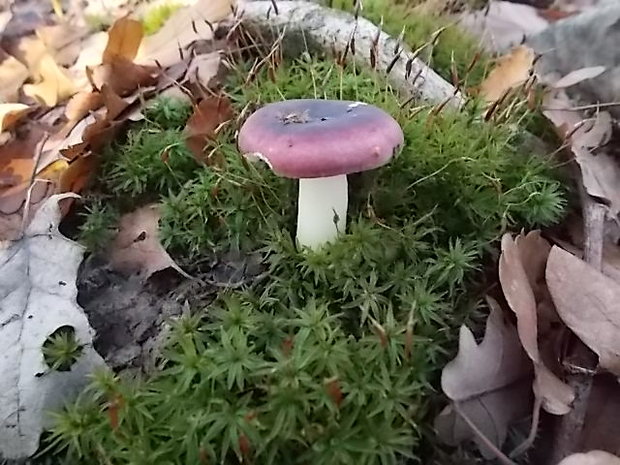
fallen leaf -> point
(124, 38)
(579, 75)
(521, 267)
(490, 382)
(82, 104)
(581, 41)
(186, 26)
(38, 285)
(594, 457)
(503, 24)
(54, 85)
(136, 248)
(17, 159)
(203, 69)
(11, 113)
(511, 71)
(201, 127)
(600, 172)
(12, 75)
(123, 76)
(587, 302)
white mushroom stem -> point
(321, 210)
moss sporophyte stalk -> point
(329, 357)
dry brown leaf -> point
(587, 302)
(136, 248)
(123, 76)
(208, 115)
(124, 38)
(203, 69)
(490, 382)
(600, 172)
(511, 71)
(17, 159)
(186, 26)
(521, 267)
(12, 75)
(11, 113)
(594, 457)
(54, 84)
(81, 104)
(577, 76)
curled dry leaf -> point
(594, 457)
(202, 126)
(600, 171)
(122, 76)
(54, 84)
(511, 71)
(490, 382)
(579, 75)
(38, 285)
(587, 302)
(11, 113)
(136, 248)
(521, 269)
(124, 38)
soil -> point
(130, 315)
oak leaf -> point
(587, 302)
(136, 248)
(202, 126)
(521, 268)
(488, 382)
(38, 288)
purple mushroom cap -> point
(308, 138)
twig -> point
(525, 445)
(591, 106)
(498, 453)
(569, 429)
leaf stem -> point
(487, 442)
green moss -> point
(331, 357)
(155, 17)
(454, 48)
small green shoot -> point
(61, 349)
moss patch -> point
(331, 356)
(454, 52)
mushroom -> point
(319, 142)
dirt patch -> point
(130, 315)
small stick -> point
(498, 453)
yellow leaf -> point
(54, 84)
(124, 39)
(511, 71)
(187, 25)
(11, 113)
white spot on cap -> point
(253, 156)
(357, 104)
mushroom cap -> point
(308, 138)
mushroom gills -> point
(321, 210)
